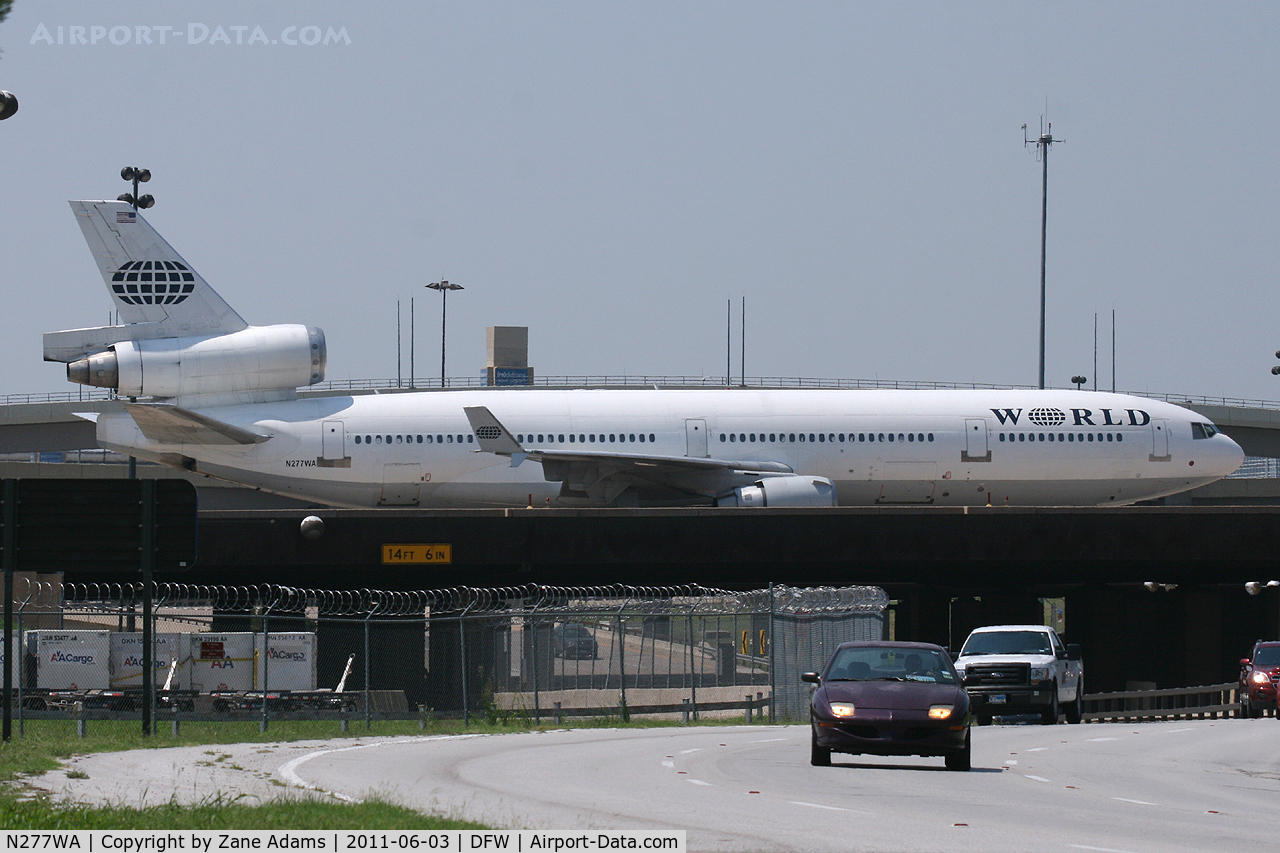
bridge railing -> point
(1213, 701)
(646, 381)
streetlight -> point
(132, 173)
(1079, 380)
(444, 287)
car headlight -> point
(842, 709)
(940, 712)
(1039, 673)
(1258, 677)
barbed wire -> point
(527, 599)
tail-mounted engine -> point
(259, 358)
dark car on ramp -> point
(573, 640)
(889, 698)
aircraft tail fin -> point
(148, 281)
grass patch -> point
(221, 814)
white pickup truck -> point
(1021, 669)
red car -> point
(1259, 674)
(889, 698)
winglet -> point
(492, 436)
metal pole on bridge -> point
(10, 540)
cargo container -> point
(126, 659)
(71, 660)
(222, 662)
(289, 664)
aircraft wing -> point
(176, 425)
(604, 474)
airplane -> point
(211, 394)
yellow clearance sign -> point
(417, 553)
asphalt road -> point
(1189, 786)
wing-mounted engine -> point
(255, 359)
(786, 490)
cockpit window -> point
(1199, 430)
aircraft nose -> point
(1230, 454)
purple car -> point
(889, 698)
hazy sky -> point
(610, 174)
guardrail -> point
(1213, 701)
(687, 709)
(753, 707)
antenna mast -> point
(1042, 143)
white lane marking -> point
(699, 782)
(1038, 749)
(1102, 739)
(1175, 731)
(289, 769)
(818, 806)
(1038, 778)
(828, 808)
(1012, 761)
(668, 764)
(687, 751)
(1099, 849)
(1135, 802)
(771, 740)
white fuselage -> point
(947, 448)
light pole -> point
(1043, 143)
(132, 173)
(444, 287)
(136, 175)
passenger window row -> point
(822, 437)
(1060, 436)
(586, 438)
(415, 439)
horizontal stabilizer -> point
(75, 344)
(176, 425)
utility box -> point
(508, 351)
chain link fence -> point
(534, 652)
